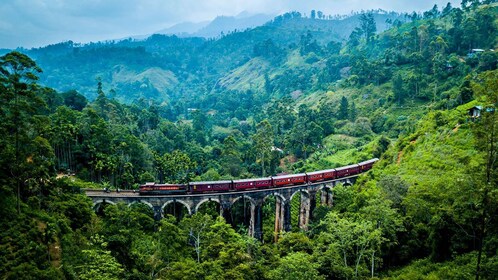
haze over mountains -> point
(161, 66)
(221, 24)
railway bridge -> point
(226, 200)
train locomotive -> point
(256, 183)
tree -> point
(447, 10)
(352, 112)
(176, 167)
(74, 100)
(399, 92)
(466, 93)
(263, 144)
(368, 26)
(354, 239)
(296, 266)
(343, 109)
(20, 144)
(99, 264)
(231, 156)
(486, 133)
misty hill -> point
(225, 24)
(220, 25)
(196, 63)
(183, 29)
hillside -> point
(197, 62)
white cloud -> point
(31, 23)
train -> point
(152, 188)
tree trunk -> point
(373, 263)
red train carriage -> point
(246, 184)
(294, 179)
(213, 186)
(256, 183)
(347, 170)
(322, 175)
(162, 189)
(367, 165)
(315, 176)
(149, 186)
(329, 174)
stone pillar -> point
(287, 216)
(330, 197)
(323, 197)
(278, 218)
(252, 221)
(225, 211)
(304, 211)
(158, 213)
(256, 223)
(312, 204)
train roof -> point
(251, 180)
(210, 182)
(150, 184)
(368, 161)
(320, 171)
(289, 176)
(347, 167)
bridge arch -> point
(325, 186)
(189, 210)
(100, 201)
(143, 202)
(300, 192)
(251, 200)
(347, 183)
(204, 201)
(276, 194)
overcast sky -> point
(34, 23)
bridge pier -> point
(282, 217)
(287, 216)
(312, 202)
(225, 211)
(330, 197)
(327, 196)
(158, 212)
(256, 222)
(278, 219)
(304, 211)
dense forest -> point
(290, 96)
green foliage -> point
(295, 266)
(99, 265)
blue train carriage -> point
(210, 186)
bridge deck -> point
(131, 193)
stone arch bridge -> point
(226, 200)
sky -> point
(35, 23)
